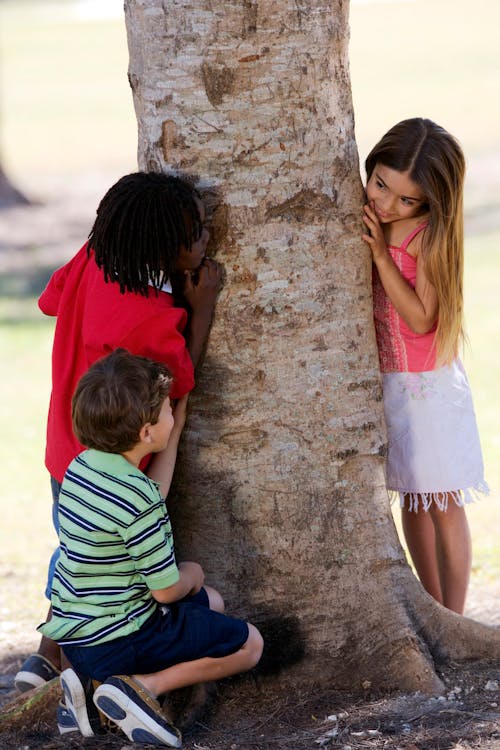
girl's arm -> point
(161, 468)
(419, 306)
(201, 298)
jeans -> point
(56, 488)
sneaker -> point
(36, 671)
(138, 714)
(78, 692)
(65, 719)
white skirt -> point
(434, 450)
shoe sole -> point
(25, 681)
(132, 720)
(65, 721)
(76, 701)
(67, 728)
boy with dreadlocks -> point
(117, 293)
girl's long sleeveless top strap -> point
(412, 235)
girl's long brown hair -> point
(435, 162)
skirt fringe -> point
(425, 499)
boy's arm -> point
(191, 579)
(161, 468)
(201, 297)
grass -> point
(27, 535)
(66, 108)
(431, 59)
(66, 101)
(482, 361)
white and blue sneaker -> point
(65, 719)
(78, 693)
(36, 671)
(136, 712)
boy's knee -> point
(215, 600)
(254, 645)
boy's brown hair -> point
(115, 398)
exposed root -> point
(450, 636)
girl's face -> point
(191, 260)
(394, 195)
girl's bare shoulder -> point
(400, 231)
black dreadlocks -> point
(141, 223)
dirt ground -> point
(245, 714)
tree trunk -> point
(280, 488)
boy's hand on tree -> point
(201, 289)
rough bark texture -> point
(280, 489)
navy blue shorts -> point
(179, 632)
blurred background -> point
(68, 131)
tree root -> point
(27, 709)
(450, 636)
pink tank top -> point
(400, 349)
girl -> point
(117, 292)
(414, 218)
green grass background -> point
(66, 110)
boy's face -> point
(191, 260)
(160, 432)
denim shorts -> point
(183, 631)
(56, 488)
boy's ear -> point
(145, 433)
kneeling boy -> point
(125, 613)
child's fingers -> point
(210, 272)
(371, 220)
(369, 209)
(370, 226)
(213, 268)
(188, 281)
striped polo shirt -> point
(116, 544)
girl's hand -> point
(375, 239)
(202, 294)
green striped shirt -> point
(116, 544)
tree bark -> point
(280, 487)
